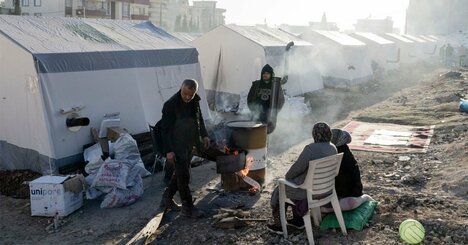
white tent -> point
(408, 51)
(427, 48)
(232, 57)
(185, 36)
(382, 51)
(51, 67)
(343, 60)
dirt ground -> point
(432, 187)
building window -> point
(37, 3)
(25, 2)
(24, 13)
(125, 9)
(37, 14)
(108, 9)
(68, 3)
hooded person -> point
(348, 181)
(297, 173)
(266, 98)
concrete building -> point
(440, 17)
(375, 25)
(124, 9)
(38, 7)
(179, 16)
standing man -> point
(462, 55)
(448, 55)
(182, 129)
(266, 97)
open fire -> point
(234, 168)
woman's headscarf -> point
(340, 137)
(321, 132)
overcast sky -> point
(300, 12)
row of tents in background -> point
(54, 69)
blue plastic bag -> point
(463, 105)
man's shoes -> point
(274, 228)
(297, 223)
(169, 204)
(192, 212)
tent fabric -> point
(341, 38)
(268, 37)
(232, 56)
(91, 61)
(400, 38)
(186, 37)
(43, 35)
(71, 44)
(382, 51)
(374, 37)
(98, 66)
(342, 59)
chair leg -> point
(308, 226)
(317, 216)
(339, 216)
(282, 202)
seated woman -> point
(297, 173)
(348, 184)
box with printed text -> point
(56, 195)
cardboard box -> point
(51, 195)
(113, 133)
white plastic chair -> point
(320, 182)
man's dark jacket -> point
(182, 123)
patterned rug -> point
(386, 137)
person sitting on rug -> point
(297, 173)
(348, 183)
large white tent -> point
(427, 48)
(382, 51)
(232, 57)
(408, 50)
(343, 60)
(51, 67)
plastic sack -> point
(126, 148)
(354, 219)
(112, 173)
(93, 193)
(463, 105)
(123, 197)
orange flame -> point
(248, 164)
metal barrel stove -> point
(252, 137)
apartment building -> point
(37, 7)
(179, 16)
(115, 9)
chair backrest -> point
(321, 174)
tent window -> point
(37, 3)
(25, 2)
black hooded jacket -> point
(260, 94)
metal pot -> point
(247, 134)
